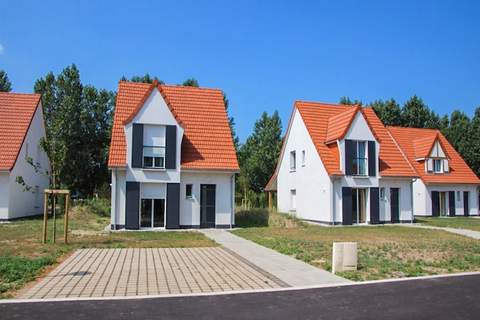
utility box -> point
(344, 256)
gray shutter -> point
(346, 206)
(429, 165)
(451, 203)
(435, 203)
(372, 159)
(132, 205)
(350, 154)
(374, 206)
(137, 145)
(173, 205)
(171, 147)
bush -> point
(252, 218)
(98, 206)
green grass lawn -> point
(384, 251)
(470, 223)
(23, 257)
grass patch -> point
(384, 251)
(23, 257)
(260, 217)
(469, 223)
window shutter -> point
(350, 155)
(374, 206)
(435, 203)
(372, 159)
(429, 165)
(347, 214)
(132, 205)
(446, 168)
(173, 205)
(451, 203)
(171, 147)
(137, 145)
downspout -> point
(114, 198)
(333, 206)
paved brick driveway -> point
(147, 271)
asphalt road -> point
(438, 298)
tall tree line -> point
(460, 130)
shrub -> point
(98, 206)
(252, 218)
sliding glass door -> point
(152, 213)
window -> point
(188, 191)
(437, 165)
(152, 213)
(360, 162)
(154, 157)
(303, 158)
(382, 193)
(293, 200)
(293, 161)
(458, 196)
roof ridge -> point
(326, 103)
(401, 151)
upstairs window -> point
(154, 157)
(360, 162)
(303, 158)
(293, 161)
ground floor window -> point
(152, 213)
(293, 199)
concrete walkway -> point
(289, 270)
(463, 232)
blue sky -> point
(263, 54)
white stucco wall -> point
(311, 182)
(423, 198)
(224, 205)
(154, 112)
(26, 203)
(404, 196)
(4, 194)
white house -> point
(340, 165)
(172, 158)
(446, 185)
(21, 130)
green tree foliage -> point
(415, 113)
(146, 78)
(388, 111)
(78, 121)
(474, 137)
(348, 102)
(259, 155)
(231, 123)
(191, 82)
(5, 84)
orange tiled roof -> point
(320, 117)
(207, 141)
(415, 141)
(16, 113)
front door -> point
(442, 204)
(359, 205)
(394, 205)
(207, 205)
(466, 206)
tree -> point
(146, 78)
(415, 113)
(388, 111)
(231, 123)
(77, 122)
(5, 84)
(259, 155)
(346, 101)
(191, 82)
(474, 138)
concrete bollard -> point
(344, 256)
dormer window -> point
(360, 162)
(360, 158)
(437, 165)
